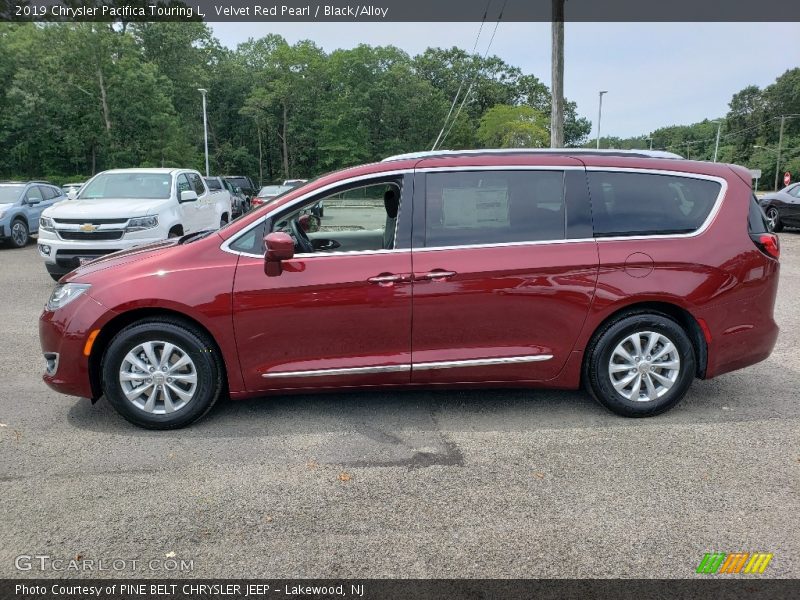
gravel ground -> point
(412, 485)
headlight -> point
(64, 294)
(46, 224)
(141, 223)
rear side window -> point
(625, 203)
(493, 207)
(756, 220)
(48, 193)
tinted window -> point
(49, 193)
(197, 184)
(213, 184)
(492, 207)
(795, 191)
(646, 204)
(756, 221)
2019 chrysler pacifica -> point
(624, 272)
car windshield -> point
(10, 193)
(273, 190)
(155, 186)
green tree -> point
(505, 126)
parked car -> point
(122, 208)
(627, 272)
(244, 183)
(239, 204)
(268, 193)
(67, 188)
(782, 207)
(21, 204)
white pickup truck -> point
(122, 208)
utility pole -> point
(716, 146)
(205, 125)
(780, 147)
(600, 116)
(557, 70)
(651, 142)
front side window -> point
(628, 203)
(493, 207)
(34, 194)
(150, 186)
(795, 191)
(183, 184)
(197, 184)
(359, 218)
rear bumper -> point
(64, 333)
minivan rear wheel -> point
(162, 374)
(640, 365)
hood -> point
(105, 208)
(5, 206)
(122, 257)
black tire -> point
(773, 216)
(597, 366)
(195, 343)
(20, 235)
(174, 233)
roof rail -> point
(562, 151)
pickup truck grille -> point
(91, 235)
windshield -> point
(274, 190)
(148, 186)
(10, 193)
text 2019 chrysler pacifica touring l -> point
(626, 273)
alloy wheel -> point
(158, 377)
(644, 366)
(19, 234)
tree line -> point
(77, 98)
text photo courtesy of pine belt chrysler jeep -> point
(627, 273)
(123, 208)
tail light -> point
(768, 243)
(257, 202)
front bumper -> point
(64, 333)
(62, 256)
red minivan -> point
(629, 273)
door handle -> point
(388, 279)
(437, 275)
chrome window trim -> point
(687, 175)
(225, 246)
(424, 366)
(339, 371)
(479, 362)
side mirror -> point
(32, 201)
(188, 196)
(280, 247)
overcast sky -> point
(656, 74)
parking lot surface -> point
(517, 483)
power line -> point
(477, 73)
(458, 92)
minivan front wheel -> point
(162, 374)
(640, 365)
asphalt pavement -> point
(420, 484)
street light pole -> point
(205, 125)
(716, 146)
(600, 116)
(650, 139)
(780, 145)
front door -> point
(340, 312)
(500, 293)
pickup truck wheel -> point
(19, 234)
(162, 374)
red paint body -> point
(504, 301)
